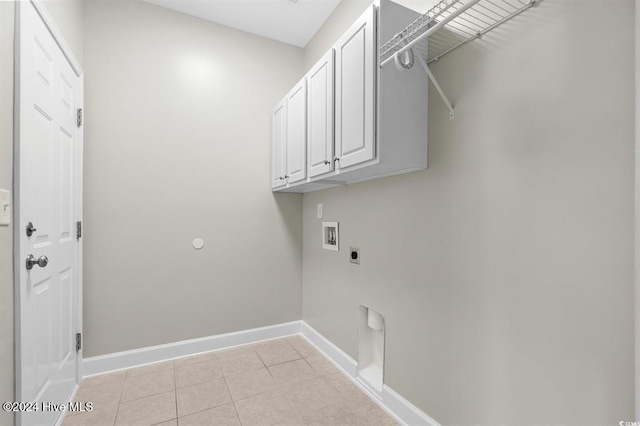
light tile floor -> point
(276, 382)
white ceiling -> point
(289, 21)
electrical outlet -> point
(5, 207)
(354, 255)
(319, 210)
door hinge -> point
(79, 117)
(78, 342)
(78, 230)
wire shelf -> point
(450, 24)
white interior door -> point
(48, 159)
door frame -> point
(18, 263)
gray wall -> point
(341, 18)
(637, 216)
(505, 270)
(177, 146)
(68, 16)
(6, 182)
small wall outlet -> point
(330, 236)
(5, 207)
(319, 211)
(354, 255)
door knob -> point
(41, 262)
(30, 229)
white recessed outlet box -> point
(330, 236)
(5, 207)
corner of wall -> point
(637, 212)
(7, 12)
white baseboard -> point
(137, 357)
(334, 353)
(389, 400)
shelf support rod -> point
(430, 31)
(452, 112)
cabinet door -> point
(278, 141)
(320, 112)
(355, 92)
(296, 163)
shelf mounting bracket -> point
(452, 112)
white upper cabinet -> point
(355, 91)
(348, 120)
(320, 112)
(296, 125)
(278, 135)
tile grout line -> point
(232, 400)
(199, 383)
(210, 408)
(278, 386)
(126, 376)
(265, 365)
(200, 411)
(175, 390)
(145, 396)
(126, 373)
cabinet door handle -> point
(286, 176)
(327, 162)
(336, 159)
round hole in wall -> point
(198, 243)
